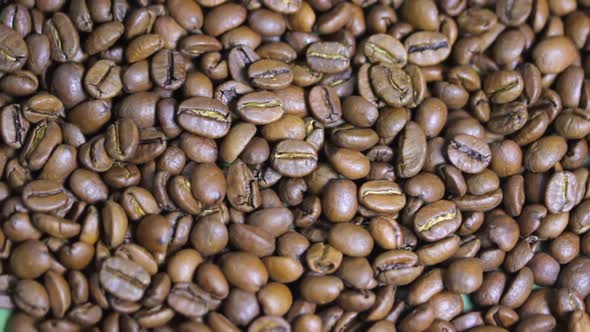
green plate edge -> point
(4, 315)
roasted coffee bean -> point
(204, 116)
(14, 126)
(391, 84)
(270, 74)
(397, 267)
(168, 69)
(427, 48)
(64, 38)
(437, 221)
(142, 47)
(294, 158)
(124, 278)
(243, 191)
(260, 108)
(411, 151)
(469, 153)
(382, 196)
(328, 57)
(31, 297)
(103, 37)
(386, 49)
(14, 50)
(325, 105)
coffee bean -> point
(386, 49)
(325, 105)
(437, 221)
(260, 108)
(204, 116)
(294, 158)
(398, 267)
(103, 37)
(327, 57)
(427, 48)
(270, 74)
(64, 38)
(168, 69)
(103, 80)
(469, 154)
(124, 278)
(14, 50)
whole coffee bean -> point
(44, 195)
(31, 297)
(397, 267)
(552, 55)
(352, 164)
(427, 48)
(244, 270)
(124, 278)
(503, 86)
(270, 74)
(328, 57)
(103, 37)
(168, 69)
(14, 126)
(204, 116)
(323, 259)
(339, 202)
(544, 153)
(103, 80)
(321, 289)
(191, 301)
(260, 108)
(325, 105)
(464, 275)
(294, 158)
(59, 293)
(142, 47)
(437, 220)
(469, 154)
(56, 226)
(88, 186)
(386, 49)
(19, 83)
(30, 259)
(14, 50)
(64, 38)
(243, 191)
(381, 196)
(252, 239)
(411, 151)
(391, 84)
(351, 240)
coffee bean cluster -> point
(295, 165)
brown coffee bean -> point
(397, 267)
(260, 108)
(14, 50)
(204, 116)
(124, 278)
(64, 38)
(103, 37)
(294, 158)
(427, 48)
(31, 297)
(328, 57)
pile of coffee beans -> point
(295, 165)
